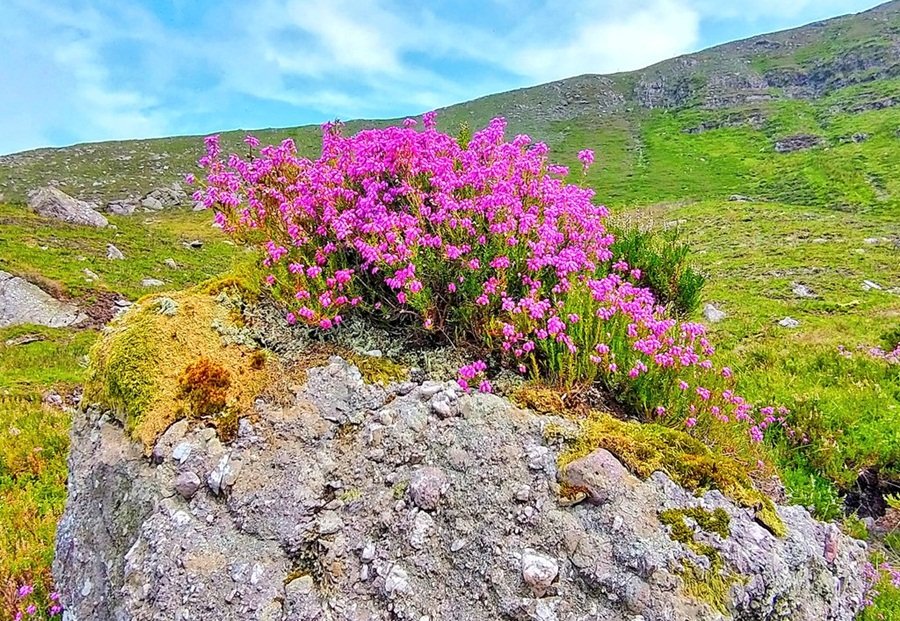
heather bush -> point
(482, 241)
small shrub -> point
(204, 385)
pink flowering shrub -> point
(481, 240)
(29, 606)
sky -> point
(88, 70)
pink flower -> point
(25, 590)
(690, 422)
(31, 610)
(586, 157)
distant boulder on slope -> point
(50, 202)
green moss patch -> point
(711, 585)
(153, 367)
(648, 447)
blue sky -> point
(88, 70)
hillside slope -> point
(704, 125)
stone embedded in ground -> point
(869, 285)
(22, 302)
(171, 264)
(113, 253)
(802, 291)
(164, 198)
(151, 203)
(798, 142)
(311, 493)
(789, 322)
(740, 198)
(713, 314)
(53, 203)
(89, 275)
(122, 207)
(152, 282)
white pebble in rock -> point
(329, 523)
(396, 582)
(523, 493)
(181, 452)
(426, 485)
(442, 406)
(423, 524)
(368, 552)
(539, 572)
(187, 484)
(430, 389)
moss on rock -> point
(142, 369)
(713, 584)
(647, 447)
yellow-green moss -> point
(377, 370)
(138, 368)
(711, 585)
(647, 447)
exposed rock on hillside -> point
(53, 203)
(799, 142)
(354, 501)
(22, 302)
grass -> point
(33, 446)
(849, 408)
(56, 254)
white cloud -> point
(57, 81)
(660, 30)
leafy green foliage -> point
(664, 264)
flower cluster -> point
(875, 353)
(875, 577)
(485, 241)
(27, 608)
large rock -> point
(22, 302)
(53, 203)
(325, 520)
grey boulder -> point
(21, 302)
(53, 203)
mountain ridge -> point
(853, 59)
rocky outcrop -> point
(800, 142)
(51, 202)
(21, 302)
(354, 501)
